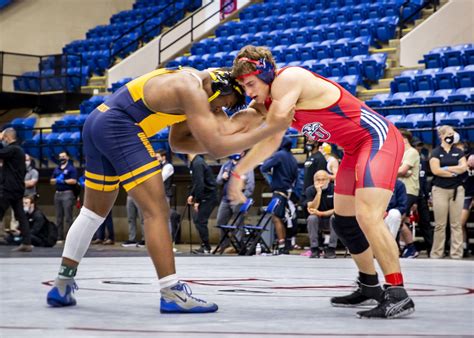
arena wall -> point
(25, 23)
(452, 24)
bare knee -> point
(369, 220)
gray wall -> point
(45, 26)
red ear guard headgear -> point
(265, 70)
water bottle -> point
(258, 249)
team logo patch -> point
(315, 131)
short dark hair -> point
(407, 134)
(162, 152)
(65, 152)
(31, 198)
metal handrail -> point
(151, 16)
(40, 76)
(403, 21)
(191, 31)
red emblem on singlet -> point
(315, 131)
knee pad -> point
(80, 234)
(350, 234)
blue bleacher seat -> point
(398, 99)
(465, 77)
(418, 97)
(455, 118)
(447, 78)
(378, 100)
(386, 27)
(468, 92)
(439, 96)
(410, 120)
(395, 118)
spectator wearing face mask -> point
(65, 179)
(31, 177)
(12, 183)
(447, 165)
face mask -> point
(62, 160)
(449, 139)
(27, 163)
(26, 210)
(4, 143)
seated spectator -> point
(284, 172)
(43, 232)
(396, 209)
(226, 210)
(320, 205)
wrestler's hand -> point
(234, 190)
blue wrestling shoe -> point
(178, 299)
(62, 293)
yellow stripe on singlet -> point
(101, 187)
(139, 170)
(156, 121)
(102, 178)
(133, 184)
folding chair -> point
(255, 231)
(230, 230)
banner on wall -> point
(228, 7)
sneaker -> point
(62, 293)
(179, 299)
(330, 253)
(395, 303)
(23, 248)
(97, 241)
(141, 244)
(129, 244)
(109, 242)
(410, 252)
(307, 253)
(364, 295)
(315, 253)
(202, 251)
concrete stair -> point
(96, 86)
(393, 59)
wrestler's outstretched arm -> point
(286, 90)
(212, 132)
(183, 141)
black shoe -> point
(202, 251)
(141, 244)
(315, 253)
(395, 303)
(129, 244)
(364, 295)
(283, 251)
(330, 252)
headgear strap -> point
(265, 70)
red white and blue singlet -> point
(373, 147)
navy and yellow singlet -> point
(115, 137)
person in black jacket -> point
(284, 171)
(203, 197)
(43, 233)
(314, 163)
(12, 184)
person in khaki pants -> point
(447, 165)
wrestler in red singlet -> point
(373, 147)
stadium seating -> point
(94, 54)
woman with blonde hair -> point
(332, 161)
(447, 164)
